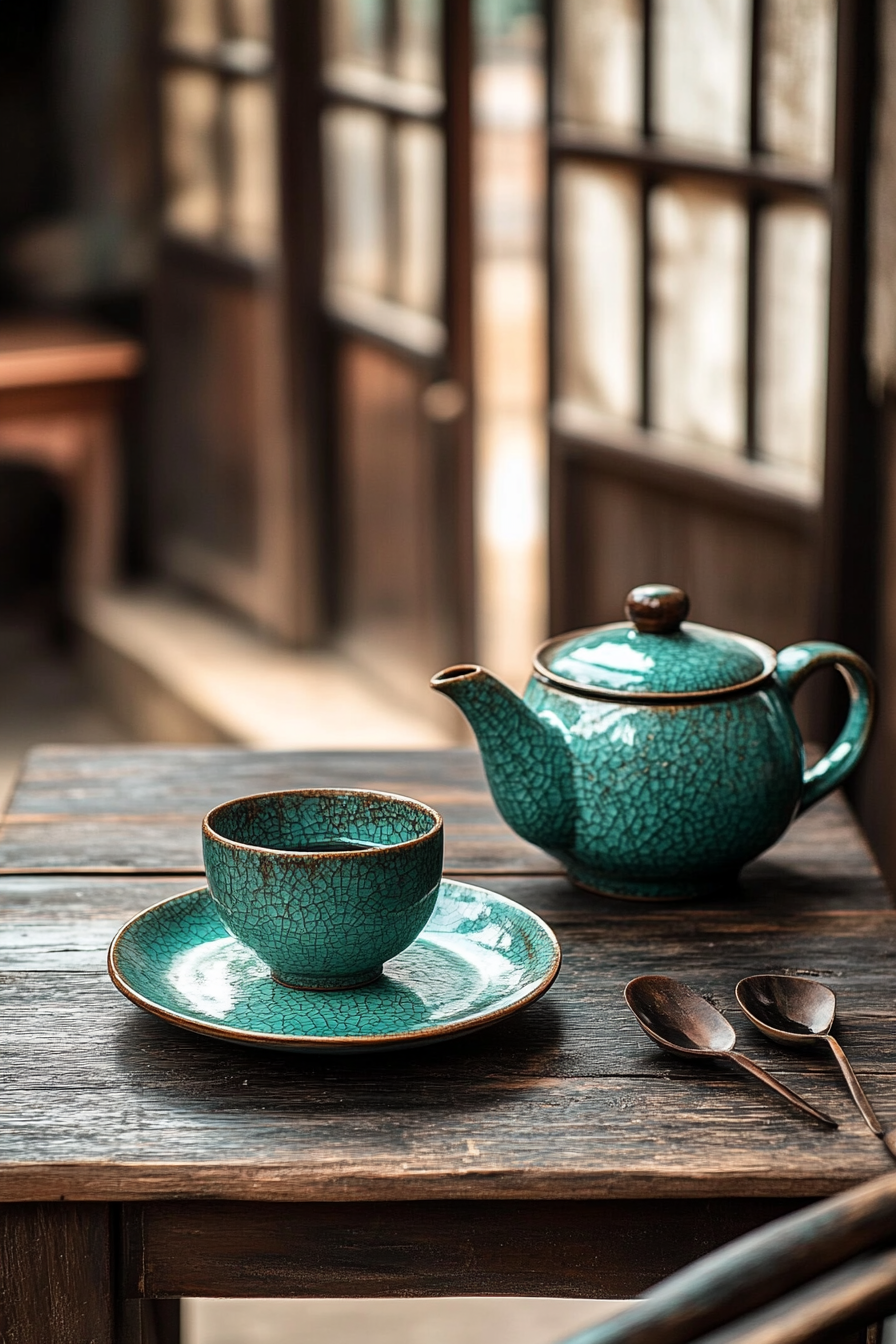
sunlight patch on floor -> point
(447, 1320)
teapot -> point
(655, 757)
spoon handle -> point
(780, 1088)
(855, 1088)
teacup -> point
(325, 885)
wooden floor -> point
(175, 670)
(386, 1321)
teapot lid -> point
(655, 655)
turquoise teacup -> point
(324, 884)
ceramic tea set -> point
(653, 758)
(309, 892)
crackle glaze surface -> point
(324, 919)
(660, 792)
(479, 958)
(652, 800)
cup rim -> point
(438, 823)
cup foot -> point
(327, 983)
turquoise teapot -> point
(655, 757)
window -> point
(692, 152)
(384, 166)
(219, 125)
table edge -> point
(277, 1183)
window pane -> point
(598, 241)
(355, 32)
(794, 260)
(419, 157)
(192, 24)
(191, 104)
(418, 36)
(599, 63)
(251, 151)
(797, 107)
(354, 144)
(698, 305)
(701, 51)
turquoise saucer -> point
(480, 958)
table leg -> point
(56, 1274)
(144, 1321)
(97, 491)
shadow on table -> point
(489, 1065)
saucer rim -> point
(324, 1043)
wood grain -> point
(69, 813)
(558, 1151)
(55, 1274)
(577, 1248)
(759, 1268)
(146, 1321)
(138, 810)
(568, 1099)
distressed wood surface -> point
(138, 810)
(127, 809)
(561, 1248)
(55, 1274)
(565, 1101)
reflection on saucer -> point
(481, 956)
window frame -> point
(758, 179)
(439, 347)
(430, 340)
(826, 516)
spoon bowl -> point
(793, 1009)
(787, 1007)
(680, 1020)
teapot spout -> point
(527, 761)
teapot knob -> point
(657, 608)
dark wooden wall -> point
(744, 570)
(874, 793)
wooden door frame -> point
(850, 581)
(297, 37)
(445, 354)
(281, 590)
(458, 65)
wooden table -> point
(60, 392)
(557, 1153)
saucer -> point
(481, 957)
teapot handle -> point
(795, 664)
